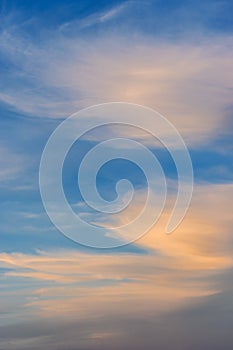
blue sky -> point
(58, 57)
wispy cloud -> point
(189, 83)
(12, 165)
(95, 18)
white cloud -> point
(95, 18)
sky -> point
(160, 291)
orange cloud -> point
(179, 267)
